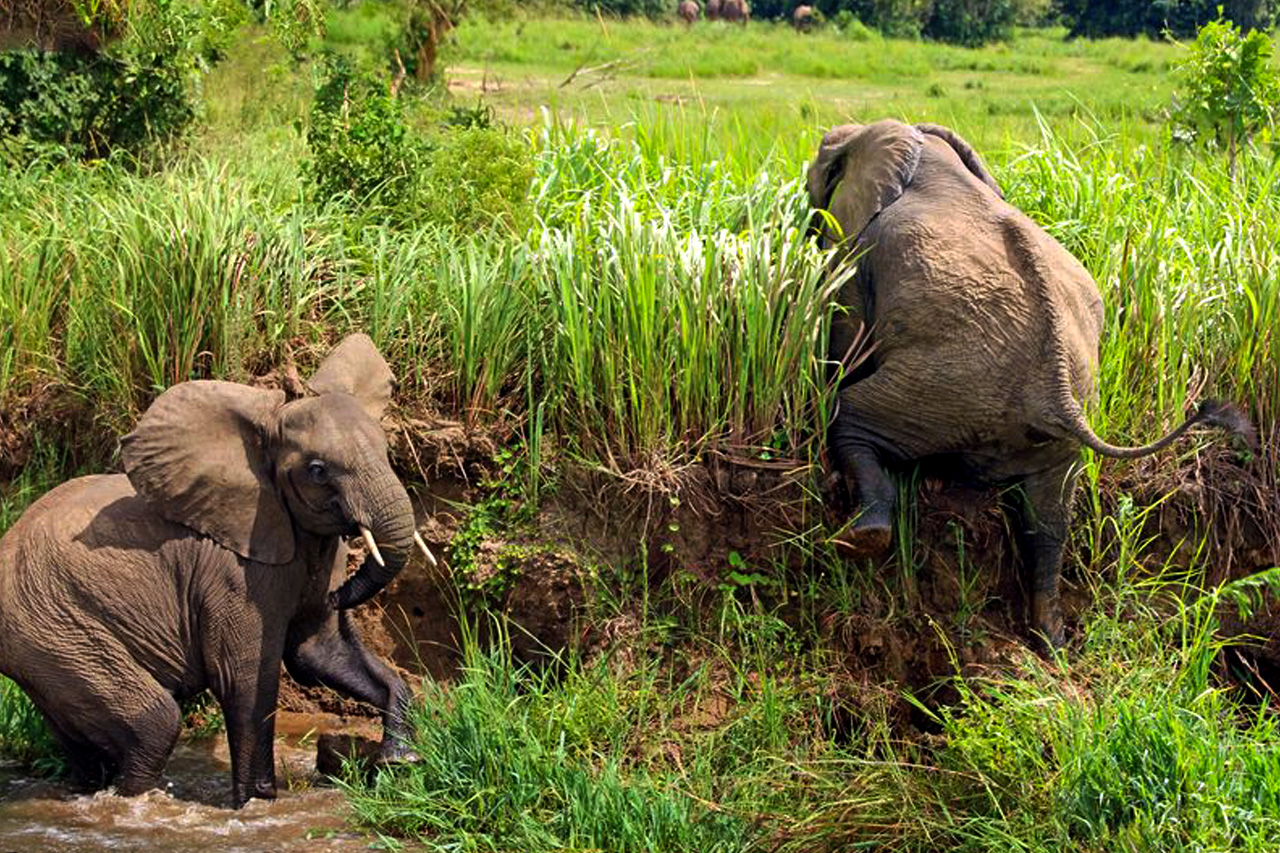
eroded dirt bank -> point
(954, 587)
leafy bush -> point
(1099, 18)
(88, 104)
(478, 179)
(1229, 90)
(971, 22)
(848, 24)
(466, 175)
(893, 18)
(361, 148)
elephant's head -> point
(861, 169)
(251, 471)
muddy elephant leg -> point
(1046, 516)
(856, 449)
(330, 654)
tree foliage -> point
(114, 78)
(1228, 90)
(1182, 18)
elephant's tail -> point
(1211, 412)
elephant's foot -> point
(1046, 619)
(863, 540)
(262, 789)
(394, 751)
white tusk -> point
(373, 546)
(417, 537)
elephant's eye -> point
(318, 472)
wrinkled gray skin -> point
(687, 11)
(802, 18)
(712, 9)
(735, 11)
(218, 556)
(984, 333)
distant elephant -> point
(735, 11)
(803, 18)
(687, 11)
(712, 9)
(983, 333)
(218, 555)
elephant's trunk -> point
(386, 513)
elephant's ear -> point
(862, 169)
(199, 457)
(965, 152)
(356, 367)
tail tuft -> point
(1228, 417)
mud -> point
(192, 813)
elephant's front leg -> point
(327, 651)
(859, 460)
(248, 694)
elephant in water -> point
(218, 555)
(984, 338)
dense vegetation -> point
(622, 284)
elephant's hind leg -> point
(152, 731)
(1046, 515)
(111, 717)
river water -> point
(192, 814)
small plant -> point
(202, 717)
(1229, 90)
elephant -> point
(219, 554)
(735, 11)
(687, 11)
(983, 339)
(803, 18)
(712, 9)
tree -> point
(1228, 90)
(1154, 18)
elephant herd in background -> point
(733, 11)
(739, 12)
(219, 554)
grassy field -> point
(662, 308)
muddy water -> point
(192, 813)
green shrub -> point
(138, 92)
(853, 29)
(971, 22)
(466, 175)
(478, 179)
(361, 149)
(893, 18)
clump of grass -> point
(496, 772)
